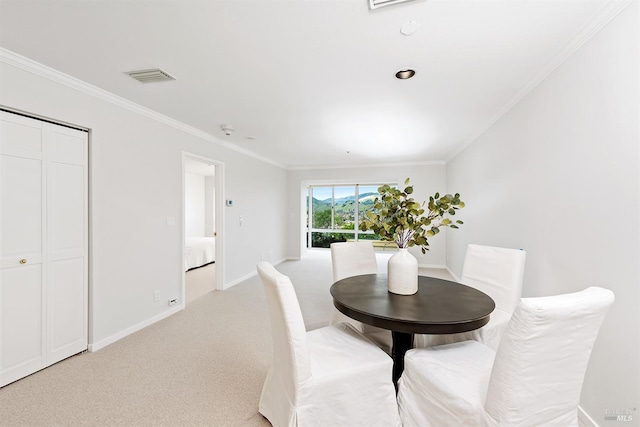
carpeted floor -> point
(202, 366)
(199, 281)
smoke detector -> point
(227, 129)
(409, 28)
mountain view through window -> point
(334, 212)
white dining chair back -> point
(328, 376)
(534, 379)
(291, 354)
(499, 273)
(350, 259)
(541, 362)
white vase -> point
(402, 275)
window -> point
(334, 212)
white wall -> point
(209, 206)
(426, 181)
(194, 205)
(135, 184)
(260, 198)
(558, 175)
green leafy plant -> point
(396, 216)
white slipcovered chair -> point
(498, 272)
(353, 259)
(534, 379)
(331, 376)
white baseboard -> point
(584, 419)
(431, 266)
(135, 328)
(239, 280)
(250, 275)
(456, 278)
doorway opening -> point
(202, 221)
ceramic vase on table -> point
(402, 275)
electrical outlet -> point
(156, 295)
(173, 301)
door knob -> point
(23, 261)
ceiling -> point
(311, 82)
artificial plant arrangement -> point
(396, 216)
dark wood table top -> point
(439, 307)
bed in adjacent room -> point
(198, 251)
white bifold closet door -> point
(43, 244)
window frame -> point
(355, 232)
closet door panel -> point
(20, 136)
(22, 241)
(67, 145)
(67, 230)
(21, 210)
(66, 211)
(66, 302)
(21, 322)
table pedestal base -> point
(402, 341)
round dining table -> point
(439, 307)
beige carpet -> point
(203, 366)
(199, 281)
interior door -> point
(43, 244)
(67, 242)
(22, 240)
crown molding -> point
(371, 165)
(595, 24)
(19, 61)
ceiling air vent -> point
(151, 76)
(374, 4)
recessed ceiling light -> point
(405, 74)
